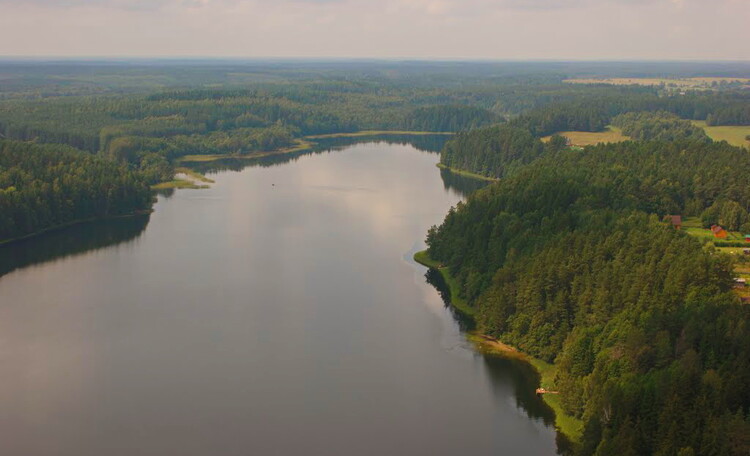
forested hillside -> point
(495, 151)
(658, 126)
(567, 259)
(46, 186)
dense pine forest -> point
(567, 259)
(566, 256)
(47, 186)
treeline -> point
(46, 186)
(658, 126)
(449, 118)
(593, 113)
(495, 151)
(567, 260)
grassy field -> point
(741, 268)
(734, 135)
(195, 175)
(693, 227)
(586, 138)
(178, 183)
(677, 83)
(568, 425)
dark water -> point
(277, 313)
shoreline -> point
(303, 144)
(365, 133)
(569, 426)
(300, 145)
(73, 223)
(464, 173)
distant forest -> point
(565, 256)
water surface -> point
(277, 313)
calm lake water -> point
(277, 313)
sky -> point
(420, 29)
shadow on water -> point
(506, 373)
(425, 143)
(461, 184)
(522, 378)
(73, 240)
(434, 278)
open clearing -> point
(587, 138)
(734, 135)
(677, 83)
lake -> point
(277, 313)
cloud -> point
(525, 29)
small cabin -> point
(676, 221)
(747, 237)
(740, 283)
(719, 232)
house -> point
(747, 238)
(740, 283)
(676, 221)
(719, 232)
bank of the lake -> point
(465, 173)
(62, 226)
(375, 133)
(238, 337)
(568, 425)
(307, 143)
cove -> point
(277, 312)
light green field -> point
(734, 135)
(704, 83)
(586, 138)
(194, 175)
(177, 183)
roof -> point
(676, 219)
(716, 229)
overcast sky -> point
(446, 29)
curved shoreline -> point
(464, 173)
(306, 143)
(569, 426)
(73, 223)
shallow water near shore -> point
(277, 312)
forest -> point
(658, 126)
(568, 260)
(48, 186)
(565, 257)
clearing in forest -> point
(734, 135)
(704, 83)
(588, 138)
